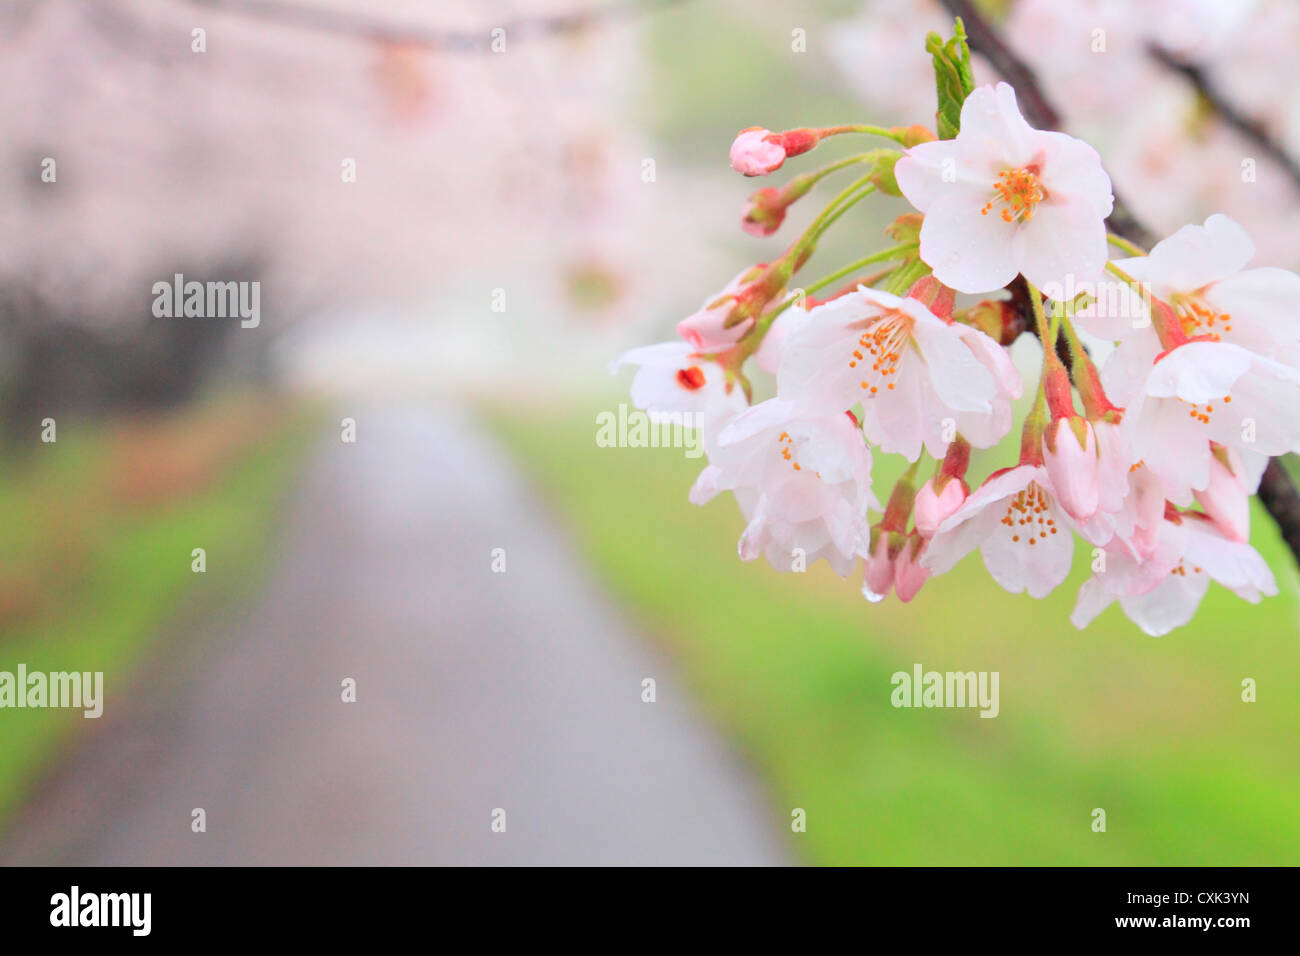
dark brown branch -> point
(1249, 127)
(1277, 492)
(346, 23)
(985, 41)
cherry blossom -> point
(1169, 387)
(803, 481)
(1022, 531)
(1200, 272)
(911, 371)
(1163, 591)
(673, 381)
(1138, 520)
(1203, 392)
(1004, 199)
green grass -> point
(133, 574)
(796, 667)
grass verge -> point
(797, 668)
(99, 529)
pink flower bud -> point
(1072, 465)
(764, 212)
(932, 508)
(878, 570)
(706, 329)
(757, 152)
(908, 573)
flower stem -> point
(1031, 437)
(1132, 248)
(842, 201)
(901, 499)
(1166, 323)
(1086, 377)
(868, 129)
(737, 354)
(1121, 274)
(884, 255)
(844, 207)
(1048, 331)
(807, 180)
(906, 275)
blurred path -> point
(475, 691)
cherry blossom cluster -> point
(1150, 455)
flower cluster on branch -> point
(1150, 456)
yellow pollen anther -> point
(1198, 317)
(786, 444)
(883, 342)
(1018, 191)
(1029, 507)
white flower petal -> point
(1064, 244)
(969, 250)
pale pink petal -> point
(1169, 605)
(926, 171)
(968, 249)
(1064, 244)
(959, 379)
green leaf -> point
(953, 79)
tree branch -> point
(1252, 129)
(1277, 492)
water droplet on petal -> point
(871, 595)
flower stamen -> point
(1203, 415)
(787, 446)
(883, 342)
(1029, 508)
(1198, 317)
(1018, 191)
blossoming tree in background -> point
(1149, 455)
